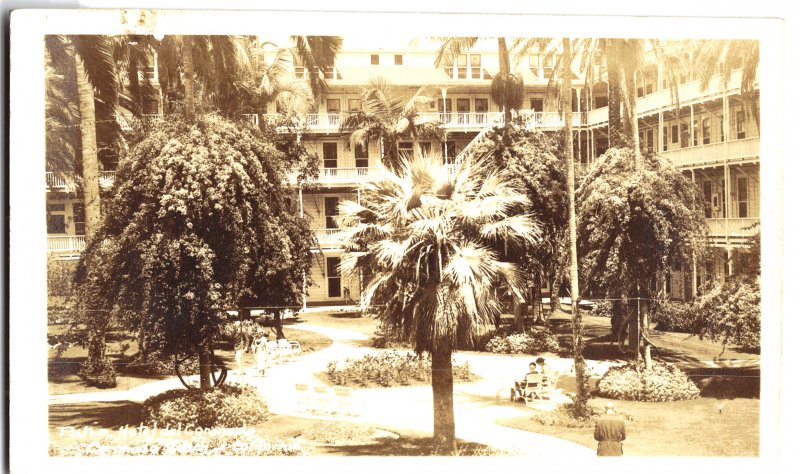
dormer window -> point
(374, 59)
(398, 59)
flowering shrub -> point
(664, 382)
(98, 374)
(731, 312)
(674, 316)
(532, 342)
(389, 369)
(211, 445)
(163, 365)
(602, 309)
(228, 406)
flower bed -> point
(389, 369)
(533, 342)
(662, 383)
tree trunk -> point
(580, 407)
(614, 117)
(633, 330)
(188, 77)
(276, 314)
(91, 173)
(444, 422)
(504, 69)
(204, 354)
(645, 324)
(519, 315)
(631, 121)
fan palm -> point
(426, 232)
(387, 117)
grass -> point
(63, 372)
(700, 427)
(320, 437)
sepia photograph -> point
(271, 237)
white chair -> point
(344, 401)
(303, 397)
(322, 400)
(288, 349)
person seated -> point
(519, 386)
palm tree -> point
(507, 88)
(387, 117)
(425, 231)
(317, 54)
(580, 408)
(731, 55)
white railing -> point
(714, 152)
(551, 120)
(467, 121)
(66, 243)
(738, 227)
(106, 180)
(324, 121)
(327, 236)
(54, 181)
(339, 175)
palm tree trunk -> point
(580, 407)
(504, 69)
(188, 77)
(91, 174)
(204, 354)
(614, 117)
(631, 121)
(444, 422)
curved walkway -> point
(477, 405)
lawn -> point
(700, 427)
(318, 437)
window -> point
(537, 104)
(675, 135)
(721, 129)
(684, 135)
(353, 105)
(664, 138)
(425, 148)
(462, 107)
(740, 133)
(362, 155)
(481, 107)
(330, 155)
(548, 66)
(646, 140)
(405, 150)
(695, 133)
(445, 110)
(56, 218)
(331, 212)
(331, 72)
(398, 59)
(374, 59)
(334, 106)
(741, 192)
(707, 198)
(334, 277)
(449, 151)
(706, 131)
(299, 72)
(79, 218)
(468, 66)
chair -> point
(344, 399)
(322, 400)
(534, 385)
(288, 349)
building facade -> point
(710, 137)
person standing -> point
(261, 350)
(609, 432)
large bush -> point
(389, 369)
(229, 406)
(161, 365)
(731, 313)
(533, 342)
(674, 316)
(662, 383)
(100, 374)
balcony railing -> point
(340, 175)
(466, 121)
(551, 120)
(106, 180)
(328, 237)
(66, 244)
(715, 152)
(737, 227)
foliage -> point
(601, 309)
(389, 369)
(325, 432)
(229, 406)
(663, 382)
(508, 90)
(564, 417)
(532, 342)
(205, 444)
(199, 220)
(674, 316)
(730, 312)
(100, 374)
(157, 364)
(634, 224)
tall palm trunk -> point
(631, 122)
(444, 421)
(204, 355)
(580, 408)
(614, 118)
(504, 70)
(91, 194)
(188, 76)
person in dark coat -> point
(609, 432)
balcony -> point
(736, 150)
(339, 176)
(551, 120)
(66, 244)
(328, 238)
(58, 183)
(738, 229)
(462, 121)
